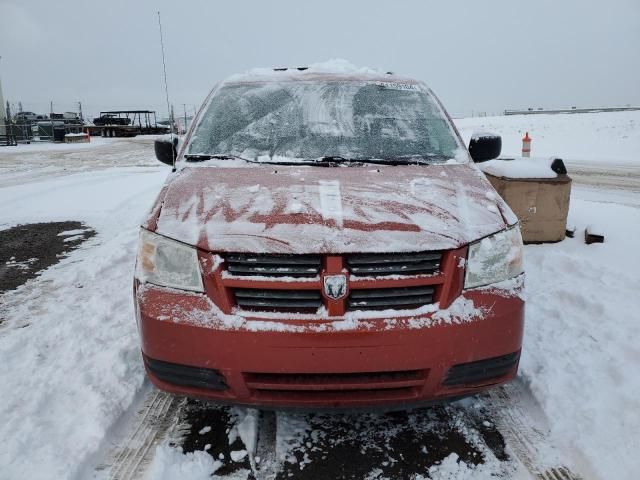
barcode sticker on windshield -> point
(397, 86)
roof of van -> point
(329, 70)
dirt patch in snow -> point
(27, 250)
(213, 427)
(390, 445)
(310, 446)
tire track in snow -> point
(511, 408)
(159, 415)
(523, 425)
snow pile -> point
(70, 349)
(581, 351)
(170, 464)
(519, 167)
(453, 468)
(71, 360)
(594, 138)
(247, 427)
(340, 65)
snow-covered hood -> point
(301, 209)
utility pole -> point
(80, 112)
(184, 106)
(10, 138)
(3, 130)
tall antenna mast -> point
(166, 91)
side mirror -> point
(485, 146)
(166, 149)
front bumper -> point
(329, 364)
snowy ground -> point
(580, 355)
(73, 391)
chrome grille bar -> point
(242, 264)
(381, 264)
(379, 298)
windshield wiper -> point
(203, 157)
(406, 160)
(328, 161)
(197, 158)
(338, 161)
(332, 161)
(191, 157)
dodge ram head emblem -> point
(335, 286)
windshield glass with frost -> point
(312, 119)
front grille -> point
(185, 375)
(481, 370)
(381, 298)
(379, 264)
(335, 381)
(278, 300)
(336, 386)
(249, 264)
(376, 281)
(336, 397)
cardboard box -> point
(541, 204)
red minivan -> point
(325, 240)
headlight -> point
(165, 262)
(494, 258)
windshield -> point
(307, 120)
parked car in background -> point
(65, 116)
(327, 241)
(28, 117)
(109, 119)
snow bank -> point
(581, 351)
(70, 349)
(596, 138)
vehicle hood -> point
(302, 209)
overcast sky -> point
(477, 56)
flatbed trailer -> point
(124, 130)
(141, 122)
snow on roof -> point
(519, 167)
(336, 66)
